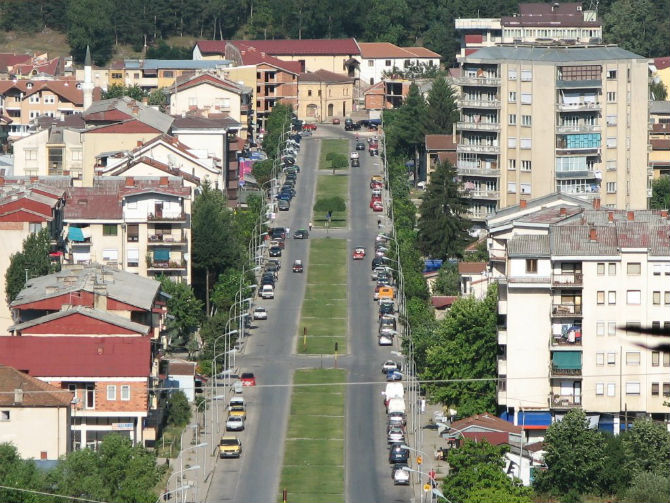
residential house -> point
(9, 60)
(25, 208)
(181, 375)
(150, 74)
(573, 281)
(382, 60)
(35, 416)
(439, 148)
(556, 23)
(659, 138)
(595, 145)
(41, 67)
(323, 95)
(660, 70)
(475, 279)
(386, 94)
(139, 225)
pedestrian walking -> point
(379, 223)
(310, 225)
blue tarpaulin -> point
(75, 234)
(431, 265)
(161, 254)
(530, 420)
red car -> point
(359, 253)
(377, 206)
(309, 127)
(375, 200)
(248, 379)
(336, 120)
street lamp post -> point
(181, 458)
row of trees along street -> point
(641, 26)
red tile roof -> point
(252, 56)
(381, 50)
(442, 301)
(78, 356)
(65, 89)
(206, 78)
(441, 142)
(36, 393)
(8, 60)
(324, 76)
(125, 127)
(157, 165)
(487, 421)
(212, 46)
(471, 267)
(662, 63)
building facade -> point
(659, 138)
(594, 145)
(323, 95)
(379, 60)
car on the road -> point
(277, 232)
(275, 251)
(398, 453)
(350, 125)
(360, 145)
(377, 206)
(378, 262)
(355, 163)
(237, 410)
(237, 400)
(235, 423)
(283, 205)
(248, 379)
(230, 447)
(301, 234)
(354, 155)
(358, 253)
(385, 340)
(336, 121)
(297, 266)
(275, 262)
(285, 196)
(395, 435)
(309, 127)
(267, 292)
(260, 313)
(397, 419)
(389, 365)
(399, 474)
(375, 200)
(393, 375)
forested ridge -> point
(642, 26)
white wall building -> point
(380, 57)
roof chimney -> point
(593, 235)
(631, 216)
(140, 143)
(610, 216)
(163, 181)
(130, 181)
(596, 203)
(563, 211)
(523, 204)
(664, 213)
(18, 395)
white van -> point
(268, 292)
(396, 405)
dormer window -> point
(29, 85)
(78, 85)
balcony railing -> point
(587, 173)
(478, 103)
(502, 335)
(577, 128)
(478, 81)
(566, 310)
(577, 107)
(497, 255)
(567, 280)
(567, 341)
(577, 151)
(470, 171)
(534, 279)
(502, 365)
(478, 215)
(166, 265)
(564, 401)
(478, 126)
(558, 371)
(166, 240)
(478, 149)
(162, 217)
(482, 194)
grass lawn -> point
(330, 186)
(324, 310)
(336, 146)
(313, 468)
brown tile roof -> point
(422, 52)
(442, 301)
(549, 14)
(381, 50)
(662, 63)
(486, 421)
(659, 144)
(8, 60)
(294, 47)
(36, 393)
(157, 165)
(324, 76)
(471, 267)
(65, 89)
(206, 78)
(441, 142)
(252, 56)
(181, 368)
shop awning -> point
(161, 254)
(75, 234)
(529, 420)
(567, 360)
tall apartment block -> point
(573, 282)
(536, 120)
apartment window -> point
(601, 268)
(611, 328)
(666, 389)
(632, 388)
(133, 232)
(525, 188)
(600, 296)
(633, 358)
(168, 74)
(511, 164)
(656, 298)
(50, 100)
(611, 120)
(611, 187)
(611, 269)
(611, 74)
(371, 62)
(654, 389)
(666, 298)
(611, 142)
(511, 142)
(666, 359)
(109, 229)
(611, 97)
(511, 74)
(611, 389)
(77, 155)
(526, 120)
(525, 143)
(309, 92)
(512, 120)
(526, 98)
(657, 269)
(611, 165)
(110, 255)
(655, 358)
(90, 396)
(600, 359)
(600, 328)
(600, 388)
(526, 75)
(633, 297)
(511, 187)
(133, 257)
(633, 268)
(193, 101)
(611, 297)
(372, 80)
(526, 165)
(387, 62)
(125, 392)
(512, 97)
(111, 392)
(34, 227)
(319, 93)
(34, 99)
(611, 358)
(531, 266)
(31, 155)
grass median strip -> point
(330, 187)
(324, 309)
(335, 146)
(313, 470)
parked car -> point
(355, 163)
(248, 379)
(354, 155)
(275, 251)
(301, 234)
(377, 206)
(393, 375)
(277, 233)
(235, 423)
(397, 419)
(399, 474)
(283, 205)
(237, 410)
(309, 127)
(385, 340)
(350, 125)
(297, 266)
(275, 262)
(374, 200)
(389, 365)
(395, 435)
(358, 253)
(360, 145)
(398, 454)
(230, 447)
(336, 121)
(260, 313)
(268, 292)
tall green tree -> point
(19, 473)
(278, 122)
(464, 347)
(85, 29)
(476, 476)
(117, 91)
(443, 227)
(448, 280)
(408, 126)
(648, 487)
(442, 110)
(647, 447)
(634, 25)
(184, 308)
(32, 261)
(658, 91)
(574, 456)
(660, 194)
(262, 171)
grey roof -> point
(575, 240)
(563, 54)
(539, 202)
(528, 246)
(105, 316)
(175, 64)
(659, 107)
(118, 285)
(196, 122)
(136, 109)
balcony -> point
(557, 401)
(566, 311)
(170, 265)
(586, 173)
(577, 128)
(497, 255)
(502, 335)
(478, 126)
(502, 365)
(578, 84)
(568, 151)
(558, 370)
(482, 194)
(167, 217)
(478, 81)
(477, 149)
(578, 107)
(532, 280)
(466, 169)
(479, 216)
(478, 103)
(568, 280)
(166, 240)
